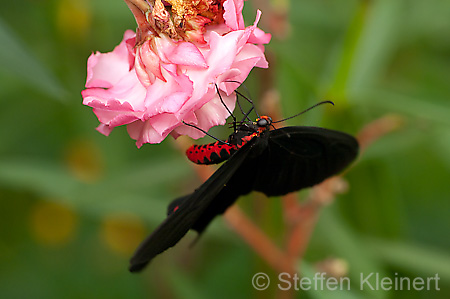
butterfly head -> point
(263, 121)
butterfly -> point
(272, 161)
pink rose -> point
(163, 76)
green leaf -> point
(16, 59)
(376, 44)
(183, 286)
(122, 192)
(420, 260)
(409, 105)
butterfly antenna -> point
(201, 130)
(247, 98)
(304, 111)
(223, 103)
(242, 111)
(251, 103)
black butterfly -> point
(274, 162)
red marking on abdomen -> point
(211, 153)
(214, 153)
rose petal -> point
(233, 14)
(143, 132)
(211, 114)
(258, 36)
(127, 92)
(148, 65)
(181, 53)
(104, 129)
(105, 70)
(164, 123)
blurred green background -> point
(74, 203)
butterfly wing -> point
(190, 209)
(222, 201)
(276, 163)
(300, 157)
(282, 161)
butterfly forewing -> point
(300, 157)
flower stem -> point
(141, 5)
(142, 10)
(377, 129)
(257, 240)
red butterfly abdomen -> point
(212, 153)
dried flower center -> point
(186, 19)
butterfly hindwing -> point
(190, 209)
(300, 157)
